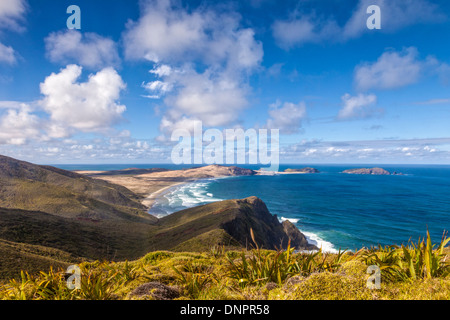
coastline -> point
(153, 186)
(150, 200)
(311, 237)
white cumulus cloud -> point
(11, 14)
(87, 49)
(303, 29)
(178, 40)
(90, 106)
(7, 54)
(311, 27)
(287, 117)
(18, 125)
(391, 70)
(11, 17)
(357, 107)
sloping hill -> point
(42, 188)
(50, 217)
(196, 229)
(88, 239)
(31, 258)
(230, 222)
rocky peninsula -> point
(302, 170)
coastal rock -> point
(268, 231)
(298, 239)
(302, 170)
(156, 291)
(229, 223)
(372, 171)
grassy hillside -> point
(82, 238)
(42, 188)
(407, 272)
(32, 258)
(52, 218)
(197, 229)
(92, 219)
(226, 222)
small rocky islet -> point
(371, 171)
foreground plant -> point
(418, 270)
(421, 260)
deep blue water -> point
(333, 209)
(339, 210)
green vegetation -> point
(51, 219)
(197, 229)
(416, 271)
(66, 194)
(89, 219)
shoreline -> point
(152, 186)
(149, 201)
(311, 237)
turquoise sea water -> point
(333, 209)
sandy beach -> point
(151, 185)
(150, 200)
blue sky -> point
(114, 91)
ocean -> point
(334, 210)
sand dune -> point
(151, 185)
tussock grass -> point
(417, 270)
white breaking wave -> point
(193, 194)
(294, 221)
(185, 196)
(314, 239)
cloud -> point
(357, 107)
(157, 88)
(369, 151)
(12, 105)
(7, 54)
(435, 67)
(169, 33)
(87, 49)
(213, 97)
(202, 59)
(395, 69)
(306, 27)
(18, 125)
(11, 13)
(161, 32)
(11, 17)
(67, 108)
(287, 117)
(391, 70)
(90, 106)
(115, 148)
(434, 101)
